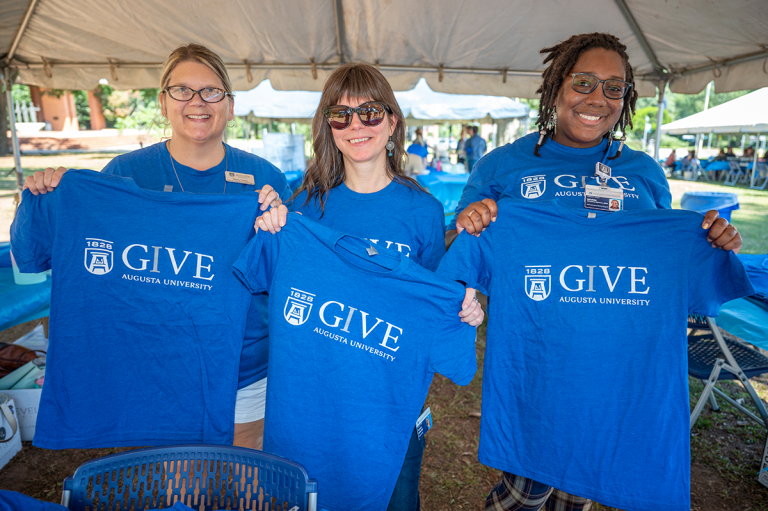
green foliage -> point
(20, 93)
(82, 109)
(638, 121)
(130, 109)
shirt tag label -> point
(371, 251)
(168, 188)
(603, 199)
(424, 423)
(591, 215)
(237, 177)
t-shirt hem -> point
(605, 499)
(110, 441)
(745, 291)
(248, 380)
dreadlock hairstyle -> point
(326, 171)
(562, 58)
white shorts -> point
(251, 402)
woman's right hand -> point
(272, 220)
(477, 216)
(44, 181)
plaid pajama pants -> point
(517, 493)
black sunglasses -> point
(584, 83)
(371, 114)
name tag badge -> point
(168, 188)
(236, 177)
(424, 423)
(603, 199)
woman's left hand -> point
(721, 233)
(268, 197)
(471, 311)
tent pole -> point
(754, 162)
(659, 117)
(14, 136)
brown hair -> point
(195, 53)
(562, 57)
(326, 171)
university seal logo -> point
(298, 306)
(98, 256)
(533, 187)
(538, 282)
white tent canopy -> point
(747, 114)
(421, 103)
(490, 47)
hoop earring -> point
(232, 125)
(390, 146)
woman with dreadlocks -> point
(587, 94)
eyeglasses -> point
(208, 94)
(371, 114)
(584, 83)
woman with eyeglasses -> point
(587, 93)
(196, 100)
(357, 185)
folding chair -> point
(698, 171)
(712, 358)
(734, 173)
(761, 177)
(211, 476)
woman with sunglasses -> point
(197, 101)
(587, 93)
(357, 185)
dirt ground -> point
(726, 450)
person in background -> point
(671, 161)
(419, 147)
(357, 185)
(475, 148)
(689, 159)
(729, 153)
(721, 156)
(461, 152)
(749, 152)
(196, 99)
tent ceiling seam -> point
(340, 37)
(20, 31)
(644, 44)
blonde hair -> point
(195, 53)
(326, 171)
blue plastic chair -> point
(214, 476)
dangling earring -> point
(621, 143)
(552, 122)
(390, 146)
(231, 125)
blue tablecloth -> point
(717, 165)
(22, 303)
(747, 319)
(446, 188)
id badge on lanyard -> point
(603, 198)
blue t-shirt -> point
(475, 147)
(398, 216)
(354, 342)
(147, 317)
(418, 150)
(152, 170)
(513, 171)
(585, 384)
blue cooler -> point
(702, 202)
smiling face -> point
(360, 143)
(583, 119)
(195, 120)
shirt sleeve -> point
(434, 250)
(470, 261)
(452, 351)
(480, 185)
(257, 262)
(714, 277)
(33, 231)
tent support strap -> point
(14, 136)
(659, 117)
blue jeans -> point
(405, 497)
